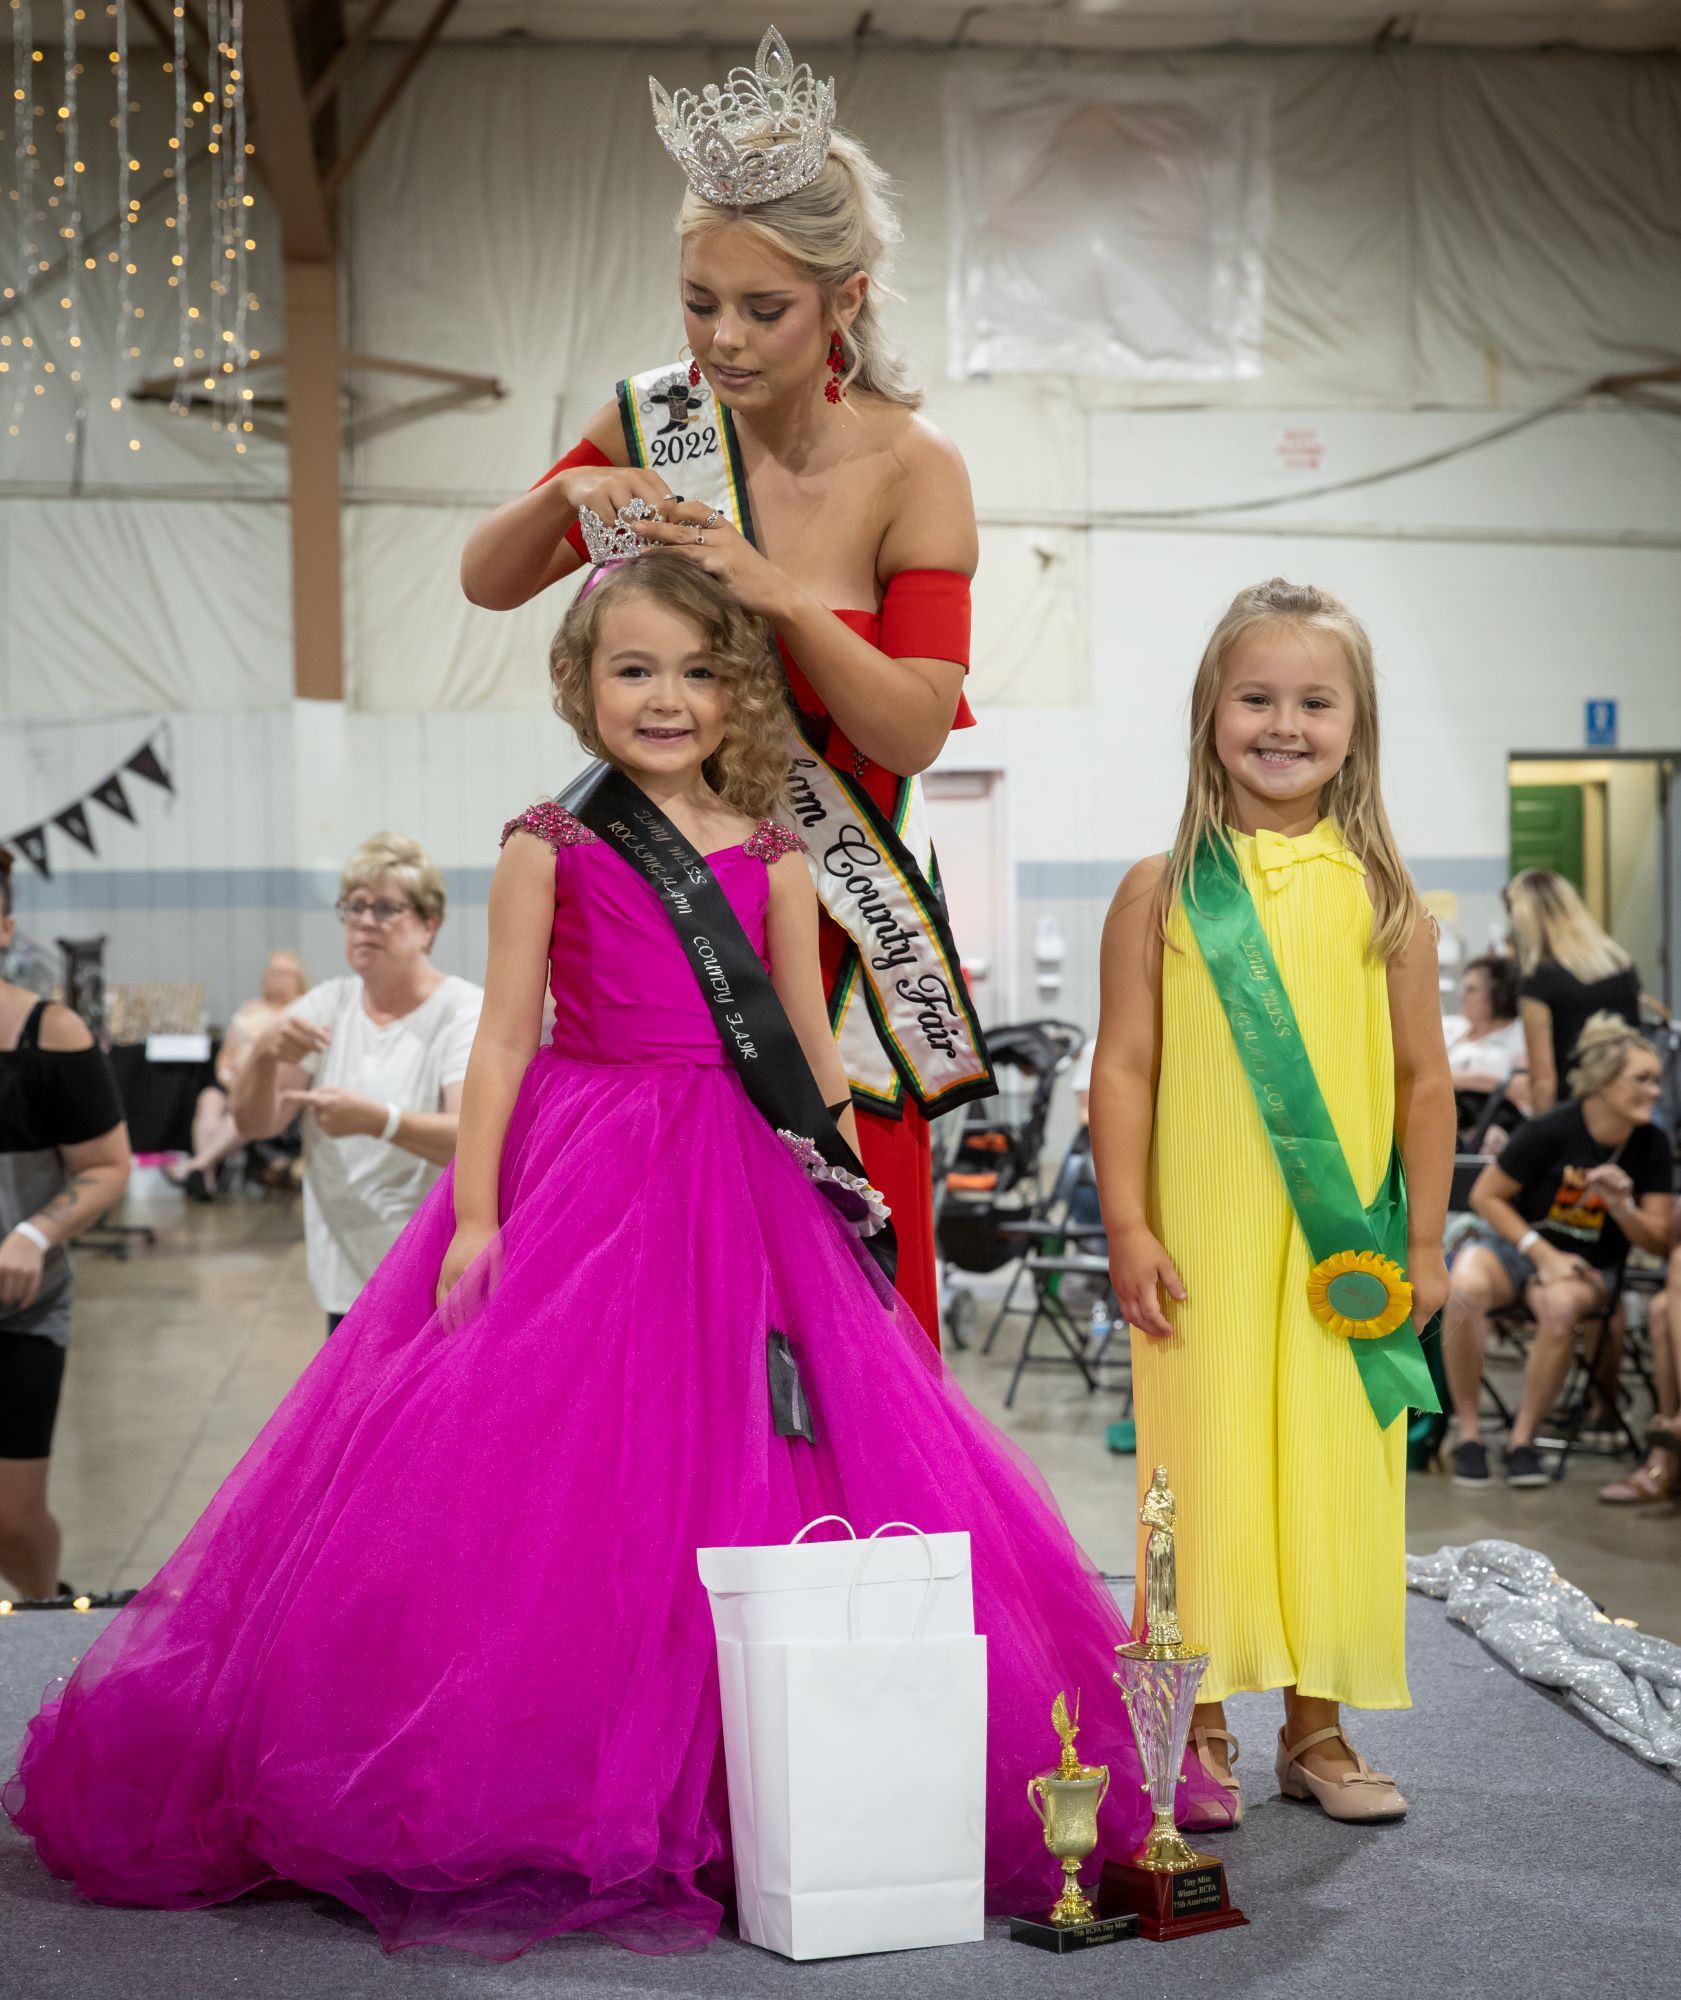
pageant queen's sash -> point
(756, 1034)
(1357, 1287)
(899, 1007)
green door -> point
(1546, 830)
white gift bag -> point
(854, 1701)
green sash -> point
(1249, 987)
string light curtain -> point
(62, 238)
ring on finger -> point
(712, 519)
(636, 509)
(700, 534)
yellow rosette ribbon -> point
(1360, 1294)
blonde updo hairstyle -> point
(1602, 1048)
(749, 769)
(405, 862)
(841, 223)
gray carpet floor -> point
(1538, 1860)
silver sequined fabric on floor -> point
(1626, 1683)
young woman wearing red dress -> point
(859, 545)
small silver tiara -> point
(765, 133)
(613, 541)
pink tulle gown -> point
(438, 1647)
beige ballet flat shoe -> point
(1360, 1794)
(1211, 1821)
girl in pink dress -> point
(438, 1647)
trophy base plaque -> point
(1073, 1937)
(1170, 1903)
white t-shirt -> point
(1498, 1054)
(360, 1192)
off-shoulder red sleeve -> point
(925, 616)
(582, 453)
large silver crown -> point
(764, 133)
(614, 541)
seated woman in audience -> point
(1557, 1213)
(1487, 1053)
(215, 1135)
(63, 1161)
(375, 1061)
(1570, 970)
(1660, 1477)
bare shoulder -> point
(64, 1032)
(932, 463)
(791, 886)
(1140, 883)
(932, 520)
(607, 434)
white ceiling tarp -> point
(1486, 232)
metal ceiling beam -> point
(413, 57)
(285, 132)
(325, 86)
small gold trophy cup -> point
(1172, 1889)
(1065, 1802)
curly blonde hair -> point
(749, 769)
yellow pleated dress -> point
(1291, 1501)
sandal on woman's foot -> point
(1648, 1483)
(1211, 1818)
(1360, 1794)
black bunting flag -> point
(145, 763)
(111, 793)
(33, 841)
(74, 821)
(112, 796)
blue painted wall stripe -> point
(316, 889)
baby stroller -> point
(987, 1160)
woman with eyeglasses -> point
(375, 1061)
(1557, 1214)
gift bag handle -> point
(818, 1523)
(863, 1563)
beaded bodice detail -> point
(624, 993)
(549, 822)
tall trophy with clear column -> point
(1172, 1889)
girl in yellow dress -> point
(1270, 1009)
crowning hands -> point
(604, 489)
(1140, 1271)
(701, 535)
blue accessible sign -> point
(1601, 725)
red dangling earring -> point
(694, 373)
(837, 367)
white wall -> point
(1479, 232)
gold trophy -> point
(1065, 1802)
(1172, 1889)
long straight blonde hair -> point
(1551, 922)
(1353, 798)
